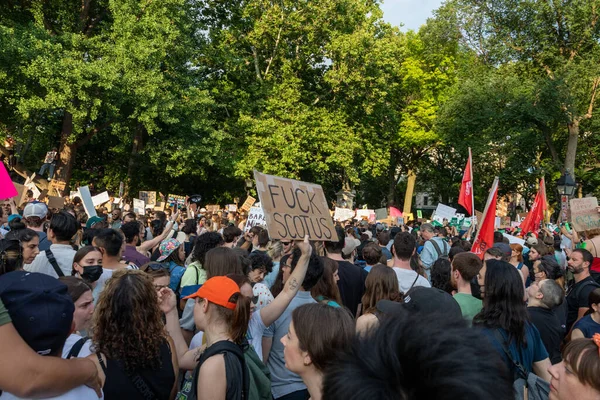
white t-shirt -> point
(71, 340)
(256, 328)
(106, 275)
(407, 277)
(79, 393)
(63, 253)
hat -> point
(167, 247)
(35, 209)
(369, 234)
(217, 290)
(504, 248)
(423, 300)
(40, 308)
(203, 210)
(531, 241)
(93, 221)
(350, 244)
(12, 217)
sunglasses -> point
(155, 266)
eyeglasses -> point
(155, 266)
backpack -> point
(527, 386)
(441, 256)
(257, 377)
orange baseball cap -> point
(218, 290)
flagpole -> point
(472, 185)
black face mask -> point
(92, 273)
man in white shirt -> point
(45, 300)
(403, 249)
(58, 260)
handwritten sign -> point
(56, 184)
(139, 206)
(294, 209)
(231, 207)
(443, 212)
(174, 199)
(213, 208)
(584, 214)
(369, 215)
(381, 213)
(256, 217)
(248, 203)
(55, 202)
(148, 197)
(343, 214)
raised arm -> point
(150, 244)
(25, 373)
(271, 312)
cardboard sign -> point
(213, 208)
(343, 214)
(174, 199)
(7, 189)
(248, 203)
(294, 209)
(56, 184)
(584, 214)
(148, 197)
(409, 217)
(88, 204)
(139, 206)
(21, 194)
(256, 217)
(231, 207)
(381, 214)
(56, 202)
(100, 199)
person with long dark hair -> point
(381, 284)
(589, 325)
(505, 321)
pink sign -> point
(7, 189)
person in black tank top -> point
(136, 355)
(223, 314)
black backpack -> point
(444, 255)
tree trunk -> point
(66, 151)
(135, 149)
(573, 128)
(392, 182)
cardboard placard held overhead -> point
(248, 203)
(56, 184)
(444, 212)
(343, 214)
(149, 197)
(256, 216)
(100, 198)
(88, 204)
(294, 209)
(584, 214)
(55, 202)
(381, 213)
(174, 199)
(21, 194)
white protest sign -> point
(139, 206)
(86, 198)
(513, 239)
(100, 199)
(256, 216)
(369, 215)
(443, 212)
(343, 214)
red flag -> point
(536, 214)
(395, 213)
(465, 198)
(485, 236)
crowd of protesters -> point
(182, 305)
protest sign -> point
(100, 199)
(256, 217)
(443, 212)
(149, 197)
(513, 239)
(174, 199)
(343, 214)
(294, 209)
(369, 215)
(213, 208)
(56, 184)
(86, 198)
(56, 202)
(231, 207)
(248, 203)
(419, 214)
(584, 214)
(21, 194)
(381, 213)
(409, 217)
(7, 189)
(139, 206)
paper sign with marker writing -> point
(584, 214)
(149, 197)
(100, 199)
(444, 212)
(343, 214)
(294, 209)
(256, 217)
(86, 198)
(139, 206)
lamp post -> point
(566, 188)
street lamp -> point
(566, 185)
(566, 188)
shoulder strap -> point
(136, 380)
(436, 247)
(74, 352)
(54, 264)
(586, 283)
(414, 282)
(225, 346)
(503, 342)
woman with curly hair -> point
(137, 356)
(381, 284)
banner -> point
(536, 214)
(256, 216)
(485, 236)
(86, 198)
(294, 209)
(248, 203)
(584, 214)
(343, 214)
(465, 198)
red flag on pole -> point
(465, 198)
(536, 214)
(485, 236)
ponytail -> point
(240, 318)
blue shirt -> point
(587, 326)
(177, 272)
(283, 381)
(533, 352)
(271, 276)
